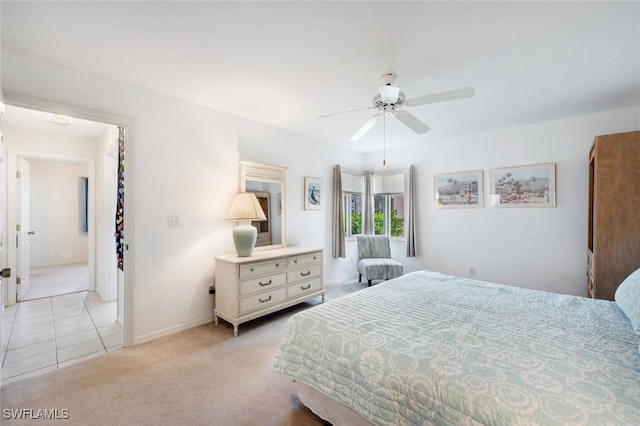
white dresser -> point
(270, 280)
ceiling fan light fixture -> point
(389, 94)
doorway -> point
(55, 241)
(89, 262)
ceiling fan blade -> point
(449, 95)
(367, 126)
(346, 112)
(412, 122)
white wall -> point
(55, 213)
(183, 160)
(540, 248)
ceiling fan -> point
(391, 100)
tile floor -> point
(45, 334)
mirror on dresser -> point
(268, 183)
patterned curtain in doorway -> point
(119, 235)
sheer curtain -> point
(367, 225)
(337, 215)
(411, 213)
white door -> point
(23, 230)
(4, 272)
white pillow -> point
(628, 298)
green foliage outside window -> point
(397, 224)
(356, 224)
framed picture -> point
(313, 193)
(524, 186)
(455, 190)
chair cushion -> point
(373, 246)
(379, 268)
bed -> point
(428, 348)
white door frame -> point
(126, 122)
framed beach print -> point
(455, 190)
(524, 186)
(313, 193)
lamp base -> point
(244, 238)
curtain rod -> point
(385, 172)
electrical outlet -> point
(472, 271)
(173, 221)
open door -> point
(23, 229)
(5, 272)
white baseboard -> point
(171, 330)
(342, 280)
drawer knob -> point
(251, 269)
(307, 287)
(277, 265)
(304, 274)
(295, 261)
(265, 300)
(264, 284)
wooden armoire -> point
(614, 212)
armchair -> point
(374, 259)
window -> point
(388, 216)
(388, 200)
(352, 205)
(352, 199)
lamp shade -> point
(245, 208)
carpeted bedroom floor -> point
(201, 376)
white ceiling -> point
(285, 63)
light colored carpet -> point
(202, 376)
(56, 280)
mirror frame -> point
(269, 174)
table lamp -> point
(245, 208)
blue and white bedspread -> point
(428, 348)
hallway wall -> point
(56, 213)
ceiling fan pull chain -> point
(384, 139)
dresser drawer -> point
(304, 274)
(261, 268)
(263, 283)
(304, 260)
(294, 290)
(262, 300)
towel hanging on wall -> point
(119, 234)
